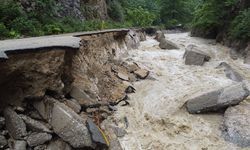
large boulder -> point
(14, 124)
(218, 99)
(70, 126)
(159, 35)
(67, 124)
(166, 44)
(237, 124)
(194, 56)
(230, 72)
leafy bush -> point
(240, 27)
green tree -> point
(174, 12)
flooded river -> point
(157, 118)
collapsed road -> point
(120, 90)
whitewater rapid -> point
(156, 115)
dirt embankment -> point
(69, 76)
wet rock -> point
(69, 126)
(36, 139)
(230, 72)
(35, 125)
(194, 56)
(237, 124)
(58, 145)
(141, 73)
(74, 105)
(159, 35)
(123, 76)
(218, 99)
(2, 122)
(165, 44)
(18, 145)
(82, 97)
(3, 142)
(97, 134)
(14, 124)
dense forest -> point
(207, 18)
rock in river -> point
(194, 56)
(230, 72)
(165, 44)
(237, 124)
(218, 99)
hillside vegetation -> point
(207, 18)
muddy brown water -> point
(156, 116)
